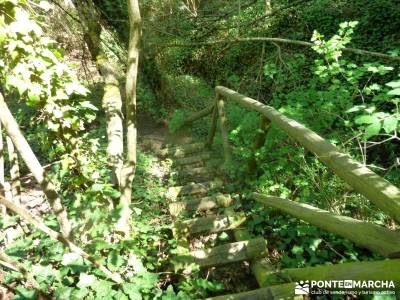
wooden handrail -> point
(378, 190)
(367, 235)
(381, 192)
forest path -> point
(209, 229)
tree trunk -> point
(268, 8)
(14, 171)
(128, 170)
(112, 100)
(38, 223)
(2, 179)
(112, 105)
(12, 129)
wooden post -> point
(224, 133)
(213, 128)
(2, 178)
(259, 141)
(367, 235)
(14, 171)
(202, 113)
(375, 188)
(12, 129)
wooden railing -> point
(379, 191)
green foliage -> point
(352, 101)
(177, 120)
(189, 92)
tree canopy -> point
(185, 149)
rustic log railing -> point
(376, 189)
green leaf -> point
(114, 260)
(315, 243)
(64, 293)
(132, 290)
(100, 244)
(390, 124)
(25, 294)
(297, 250)
(75, 88)
(366, 119)
(146, 280)
(103, 289)
(355, 108)
(43, 273)
(394, 84)
(85, 280)
(395, 92)
(372, 130)
(87, 104)
(72, 259)
(33, 97)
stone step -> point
(193, 189)
(200, 204)
(199, 158)
(225, 254)
(195, 173)
(209, 224)
(183, 150)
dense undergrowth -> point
(353, 101)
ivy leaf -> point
(297, 250)
(85, 280)
(43, 273)
(71, 258)
(103, 289)
(25, 294)
(390, 124)
(114, 261)
(372, 130)
(64, 293)
(132, 290)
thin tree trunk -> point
(2, 179)
(268, 8)
(128, 171)
(14, 171)
(38, 223)
(112, 100)
(112, 105)
(10, 263)
(12, 129)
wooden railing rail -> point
(382, 193)
(378, 190)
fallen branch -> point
(11, 264)
(282, 41)
(39, 224)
